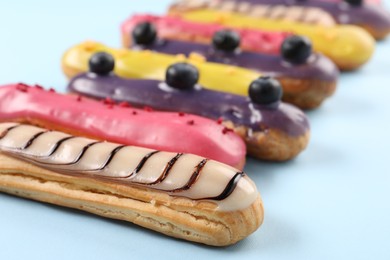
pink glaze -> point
(172, 132)
(168, 27)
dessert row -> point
(157, 132)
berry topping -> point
(226, 40)
(144, 33)
(182, 76)
(22, 87)
(226, 130)
(265, 90)
(101, 63)
(296, 49)
(354, 2)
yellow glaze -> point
(347, 45)
(152, 65)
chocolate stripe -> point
(193, 178)
(3, 134)
(108, 160)
(230, 187)
(58, 144)
(167, 169)
(141, 164)
(78, 158)
(32, 139)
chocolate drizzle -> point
(142, 163)
(169, 166)
(194, 176)
(31, 141)
(58, 144)
(5, 133)
(230, 187)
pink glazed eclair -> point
(77, 115)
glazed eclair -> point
(372, 17)
(145, 64)
(348, 46)
(180, 195)
(120, 123)
(176, 28)
(271, 129)
(307, 78)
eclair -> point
(176, 28)
(180, 195)
(120, 123)
(146, 64)
(372, 17)
(272, 130)
(347, 45)
(307, 78)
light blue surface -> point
(330, 203)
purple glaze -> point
(371, 14)
(317, 66)
(199, 101)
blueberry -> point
(101, 63)
(296, 49)
(182, 76)
(354, 2)
(265, 90)
(226, 40)
(144, 33)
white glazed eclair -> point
(180, 195)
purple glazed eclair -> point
(273, 130)
(307, 78)
(373, 17)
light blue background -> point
(330, 203)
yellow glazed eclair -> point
(348, 46)
(180, 195)
(145, 64)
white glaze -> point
(210, 183)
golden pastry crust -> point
(174, 216)
(272, 144)
(302, 93)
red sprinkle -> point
(148, 109)
(22, 87)
(190, 122)
(108, 101)
(79, 98)
(181, 114)
(226, 130)
(38, 86)
(124, 104)
(135, 112)
(52, 90)
(220, 120)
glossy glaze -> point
(348, 46)
(177, 174)
(176, 28)
(152, 65)
(370, 14)
(316, 67)
(212, 104)
(156, 130)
